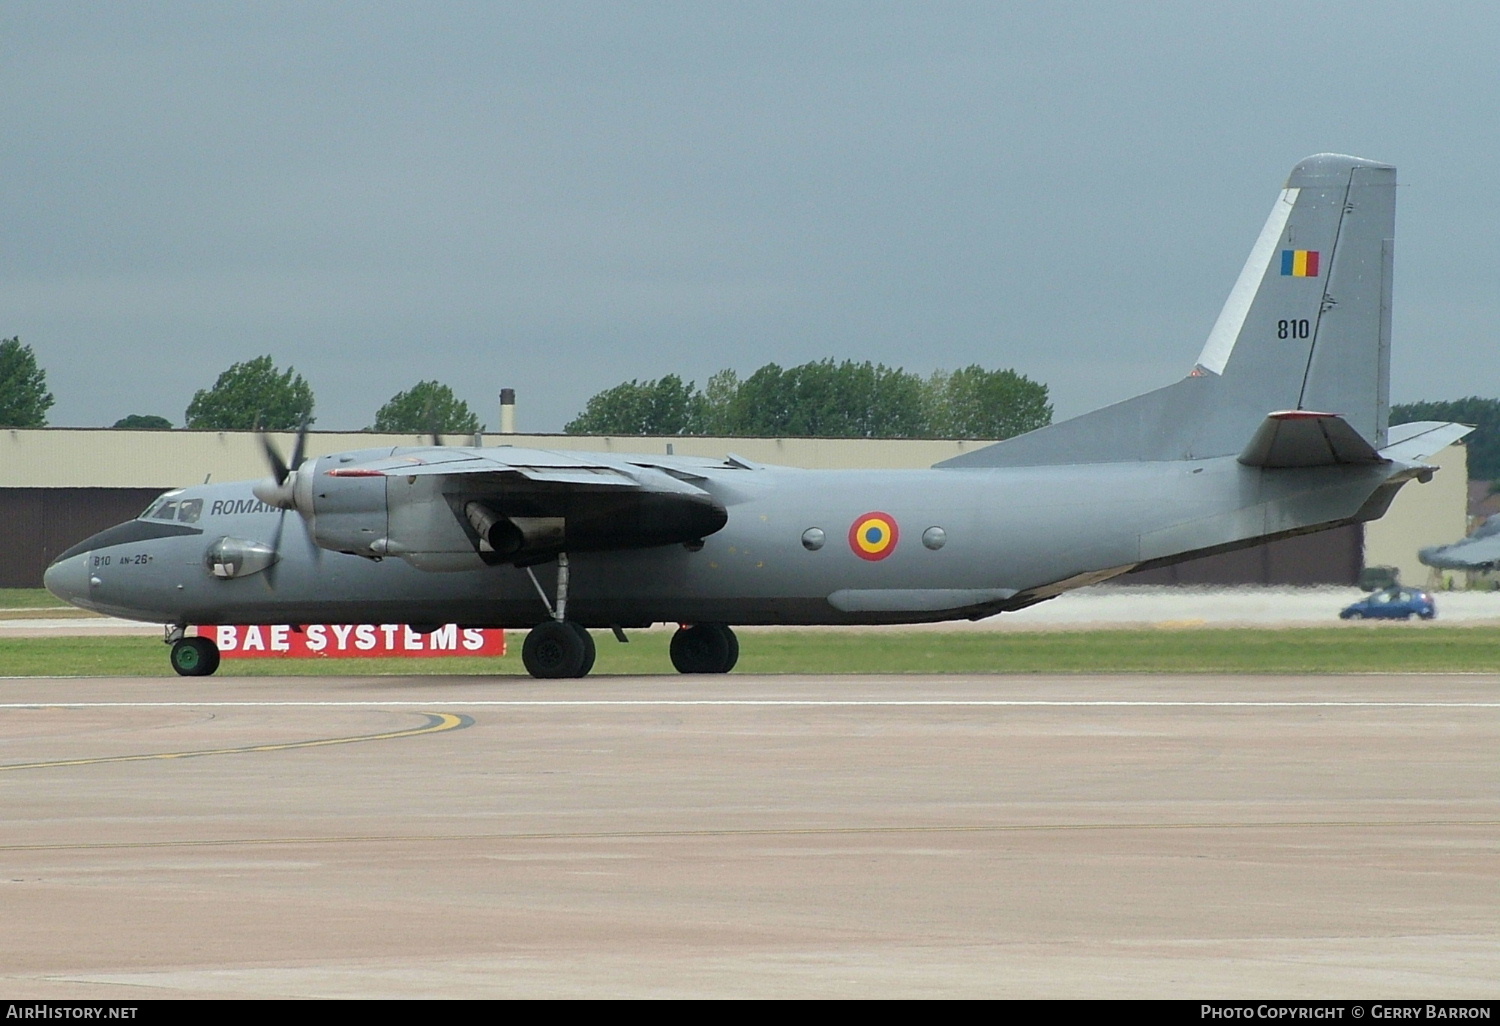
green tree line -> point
(250, 395)
(823, 399)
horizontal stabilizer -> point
(1414, 442)
(1301, 438)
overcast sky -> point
(556, 197)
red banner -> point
(351, 641)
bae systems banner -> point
(351, 641)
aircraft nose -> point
(68, 579)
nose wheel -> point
(194, 657)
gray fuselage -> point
(1009, 537)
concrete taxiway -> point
(1084, 836)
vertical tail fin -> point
(1306, 327)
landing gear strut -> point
(705, 648)
(558, 647)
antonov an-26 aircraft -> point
(1279, 430)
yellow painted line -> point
(436, 723)
(628, 835)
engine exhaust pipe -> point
(507, 536)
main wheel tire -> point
(588, 648)
(194, 657)
(705, 648)
(556, 649)
(734, 648)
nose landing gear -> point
(192, 657)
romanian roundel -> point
(874, 536)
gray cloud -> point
(558, 197)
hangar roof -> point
(115, 458)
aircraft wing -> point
(536, 465)
(513, 504)
(532, 464)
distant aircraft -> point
(1479, 551)
(1280, 430)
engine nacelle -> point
(345, 513)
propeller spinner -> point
(280, 489)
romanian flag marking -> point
(874, 535)
(1299, 263)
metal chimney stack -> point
(507, 411)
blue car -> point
(1393, 603)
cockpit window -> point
(163, 507)
(189, 510)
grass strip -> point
(1372, 648)
(30, 598)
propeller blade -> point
(299, 450)
(279, 469)
(269, 574)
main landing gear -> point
(705, 648)
(563, 648)
(560, 647)
(192, 657)
(557, 647)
